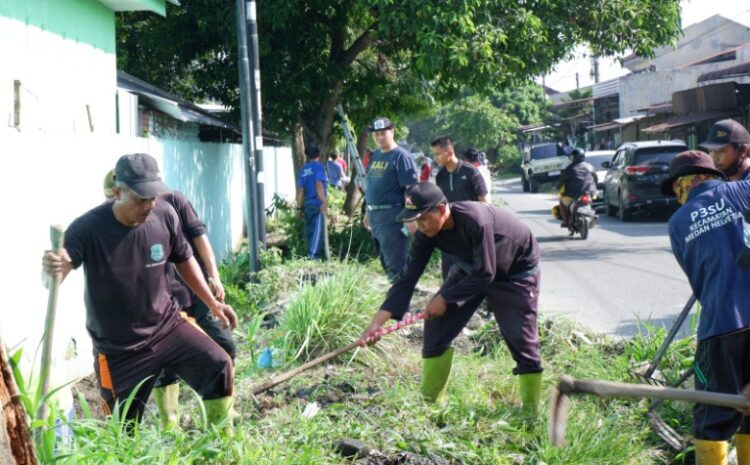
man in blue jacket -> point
(729, 145)
(707, 236)
(312, 201)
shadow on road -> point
(596, 252)
(646, 325)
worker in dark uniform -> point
(497, 258)
(390, 171)
(729, 144)
(706, 233)
(135, 324)
(459, 180)
(166, 391)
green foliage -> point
(508, 159)
(379, 56)
(331, 313)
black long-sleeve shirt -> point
(489, 243)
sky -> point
(563, 78)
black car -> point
(634, 175)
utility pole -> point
(578, 86)
(257, 127)
(595, 68)
(248, 143)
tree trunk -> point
(298, 150)
(16, 447)
(352, 193)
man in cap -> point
(706, 233)
(497, 258)
(166, 391)
(459, 180)
(390, 171)
(135, 324)
(729, 143)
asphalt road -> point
(622, 276)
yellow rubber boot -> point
(530, 391)
(711, 452)
(219, 411)
(435, 374)
(167, 399)
(742, 442)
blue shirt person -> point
(312, 200)
(706, 234)
(391, 170)
(334, 170)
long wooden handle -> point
(276, 380)
(569, 385)
(56, 236)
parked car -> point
(596, 158)
(542, 163)
(634, 175)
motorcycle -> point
(582, 216)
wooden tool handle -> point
(569, 385)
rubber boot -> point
(711, 452)
(435, 374)
(167, 399)
(219, 411)
(742, 442)
(530, 390)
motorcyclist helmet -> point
(577, 155)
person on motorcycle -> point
(578, 178)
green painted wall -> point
(86, 21)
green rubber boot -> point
(167, 399)
(530, 390)
(219, 411)
(435, 374)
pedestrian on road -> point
(312, 202)
(135, 325)
(391, 170)
(166, 391)
(728, 142)
(478, 161)
(497, 258)
(459, 180)
(706, 233)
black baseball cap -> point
(141, 173)
(420, 198)
(725, 132)
(686, 163)
(381, 123)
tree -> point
(379, 56)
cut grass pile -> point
(373, 396)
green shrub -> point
(508, 160)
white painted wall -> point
(59, 77)
(54, 178)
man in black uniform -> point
(166, 391)
(459, 181)
(578, 178)
(496, 257)
(729, 145)
(134, 323)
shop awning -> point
(684, 120)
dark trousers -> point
(211, 326)
(721, 365)
(390, 241)
(316, 232)
(514, 304)
(186, 350)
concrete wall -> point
(62, 67)
(54, 178)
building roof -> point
(172, 105)
(683, 120)
(740, 70)
(657, 108)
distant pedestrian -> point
(334, 171)
(480, 163)
(312, 202)
(728, 141)
(391, 170)
(425, 171)
(342, 161)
